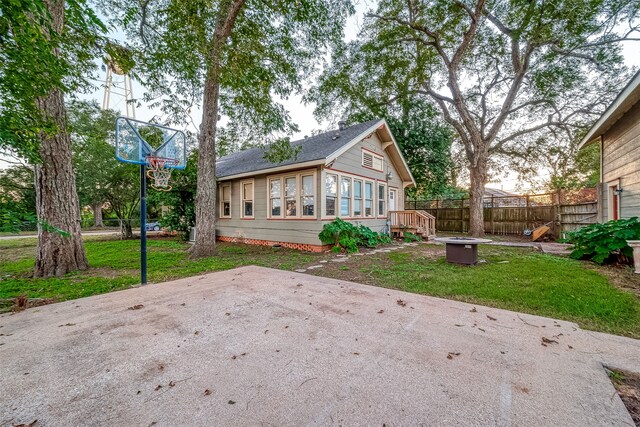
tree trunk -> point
(97, 215)
(60, 248)
(478, 175)
(205, 244)
(126, 230)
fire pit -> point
(462, 250)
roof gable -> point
(314, 148)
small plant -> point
(616, 377)
(346, 236)
(410, 237)
(605, 243)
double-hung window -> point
(357, 197)
(382, 200)
(247, 199)
(275, 197)
(345, 197)
(291, 196)
(225, 201)
(368, 198)
(308, 199)
(331, 193)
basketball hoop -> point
(159, 171)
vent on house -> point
(342, 125)
(372, 161)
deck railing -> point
(414, 221)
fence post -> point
(528, 209)
(462, 215)
(491, 210)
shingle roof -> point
(315, 147)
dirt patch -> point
(621, 276)
(628, 386)
(22, 303)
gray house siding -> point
(305, 230)
(621, 166)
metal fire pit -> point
(462, 250)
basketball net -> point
(159, 172)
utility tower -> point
(118, 85)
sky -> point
(302, 114)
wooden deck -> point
(413, 221)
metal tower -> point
(118, 84)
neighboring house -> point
(356, 173)
(618, 134)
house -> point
(617, 132)
(356, 173)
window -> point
(368, 198)
(291, 196)
(308, 204)
(247, 199)
(275, 200)
(225, 201)
(357, 198)
(331, 191)
(345, 196)
(372, 161)
(382, 211)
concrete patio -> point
(255, 346)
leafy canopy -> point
(35, 59)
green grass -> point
(513, 278)
(521, 280)
(115, 265)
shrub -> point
(604, 243)
(346, 236)
(410, 237)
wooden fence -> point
(510, 215)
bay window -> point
(345, 197)
(331, 192)
(357, 198)
(308, 195)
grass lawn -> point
(513, 278)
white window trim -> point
(386, 199)
(612, 186)
(243, 198)
(299, 196)
(353, 197)
(364, 180)
(350, 213)
(374, 157)
(314, 194)
(373, 199)
(221, 204)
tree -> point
(235, 56)
(17, 198)
(503, 73)
(92, 135)
(46, 48)
(100, 177)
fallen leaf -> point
(196, 333)
(207, 392)
(66, 324)
(491, 318)
(158, 387)
(546, 341)
(136, 307)
(480, 329)
(356, 353)
(570, 348)
(473, 310)
(172, 383)
(380, 311)
(231, 402)
(31, 424)
(401, 303)
(139, 392)
(227, 314)
(286, 327)
(183, 304)
(234, 357)
(451, 354)
(457, 324)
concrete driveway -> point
(256, 346)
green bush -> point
(346, 236)
(605, 243)
(410, 237)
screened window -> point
(382, 200)
(345, 196)
(308, 200)
(247, 199)
(357, 198)
(275, 197)
(368, 199)
(225, 201)
(331, 192)
(291, 196)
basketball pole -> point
(143, 224)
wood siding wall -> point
(621, 164)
